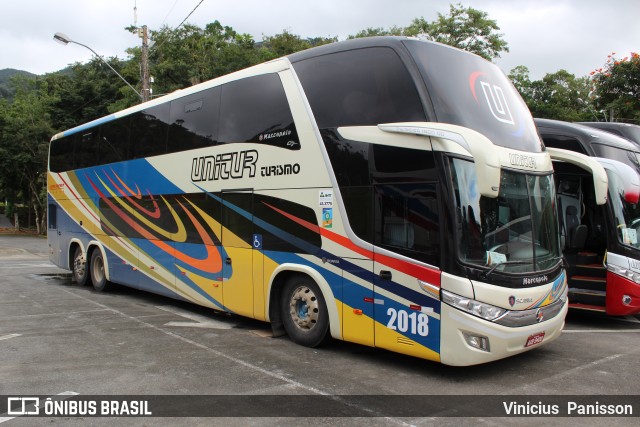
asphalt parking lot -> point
(57, 337)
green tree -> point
(373, 32)
(24, 136)
(190, 55)
(90, 91)
(558, 95)
(616, 87)
(465, 28)
(285, 43)
(519, 76)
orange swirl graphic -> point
(137, 195)
(179, 236)
(154, 215)
(212, 263)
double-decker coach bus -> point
(386, 191)
(600, 230)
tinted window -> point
(86, 148)
(62, 154)
(469, 91)
(256, 110)
(564, 142)
(359, 87)
(408, 220)
(194, 121)
(149, 131)
(389, 195)
(114, 141)
(395, 164)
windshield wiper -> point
(515, 262)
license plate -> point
(534, 339)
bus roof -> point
(275, 65)
(627, 130)
(590, 134)
(395, 42)
(272, 66)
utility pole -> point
(146, 86)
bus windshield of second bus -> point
(623, 195)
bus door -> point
(238, 255)
(406, 223)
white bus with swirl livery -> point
(385, 191)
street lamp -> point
(64, 39)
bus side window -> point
(149, 131)
(564, 142)
(256, 110)
(194, 121)
(359, 88)
(114, 141)
(408, 221)
(61, 156)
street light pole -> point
(63, 39)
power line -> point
(169, 13)
(183, 21)
(190, 13)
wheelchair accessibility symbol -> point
(257, 241)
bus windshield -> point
(468, 91)
(626, 214)
(513, 233)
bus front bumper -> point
(469, 340)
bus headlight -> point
(471, 306)
(624, 272)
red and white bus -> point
(599, 215)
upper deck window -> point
(362, 87)
(469, 91)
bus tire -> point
(304, 312)
(98, 276)
(80, 267)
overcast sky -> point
(543, 35)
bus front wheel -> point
(80, 270)
(304, 312)
(98, 276)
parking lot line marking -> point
(6, 337)
(241, 362)
(198, 321)
(64, 313)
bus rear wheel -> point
(80, 270)
(98, 276)
(304, 312)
